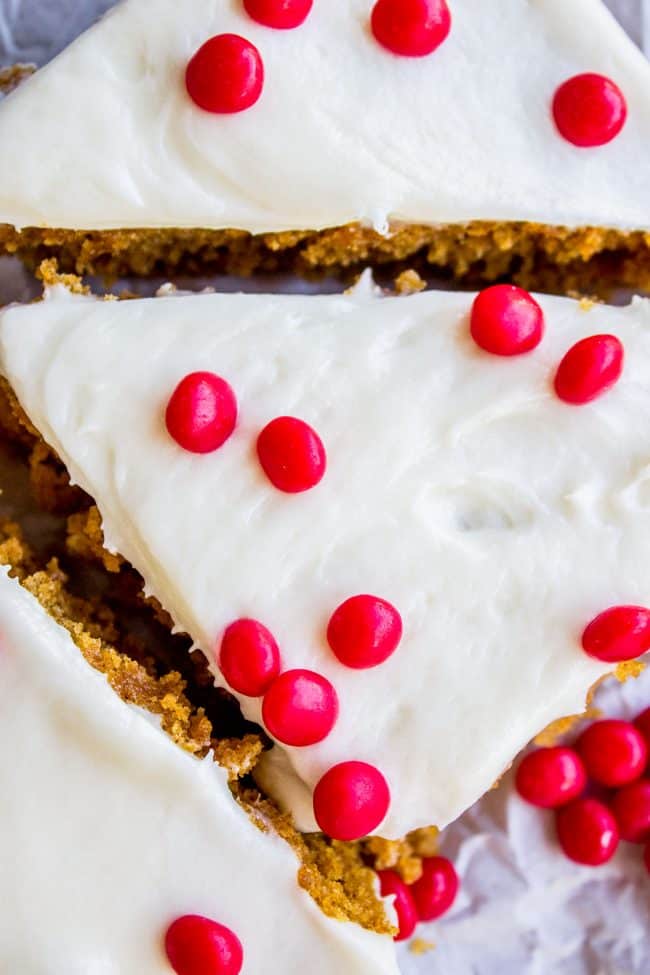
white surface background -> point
(523, 909)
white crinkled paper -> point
(523, 908)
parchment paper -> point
(523, 908)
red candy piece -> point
(249, 657)
(551, 777)
(506, 320)
(436, 890)
(292, 455)
(589, 110)
(226, 75)
(614, 752)
(300, 708)
(412, 28)
(631, 807)
(587, 832)
(202, 413)
(620, 633)
(364, 631)
(197, 946)
(642, 722)
(390, 883)
(589, 369)
(280, 14)
(351, 801)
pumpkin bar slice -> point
(484, 139)
(408, 533)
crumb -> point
(418, 946)
(13, 75)
(48, 272)
(629, 669)
(404, 856)
(409, 283)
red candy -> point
(202, 413)
(589, 110)
(436, 890)
(197, 946)
(351, 801)
(280, 14)
(390, 883)
(620, 633)
(614, 752)
(587, 832)
(292, 455)
(642, 722)
(631, 807)
(506, 320)
(589, 369)
(249, 657)
(412, 28)
(550, 777)
(300, 708)
(226, 75)
(364, 631)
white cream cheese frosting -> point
(497, 519)
(107, 137)
(109, 832)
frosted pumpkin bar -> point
(485, 139)
(407, 533)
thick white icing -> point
(497, 519)
(344, 130)
(108, 832)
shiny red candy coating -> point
(364, 631)
(506, 321)
(226, 75)
(589, 110)
(412, 28)
(620, 633)
(436, 890)
(390, 883)
(351, 801)
(614, 752)
(551, 777)
(202, 413)
(587, 832)
(280, 14)
(249, 657)
(300, 708)
(642, 722)
(589, 369)
(292, 455)
(631, 807)
(197, 946)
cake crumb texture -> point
(585, 260)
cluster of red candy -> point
(426, 900)
(600, 788)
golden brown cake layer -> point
(585, 260)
